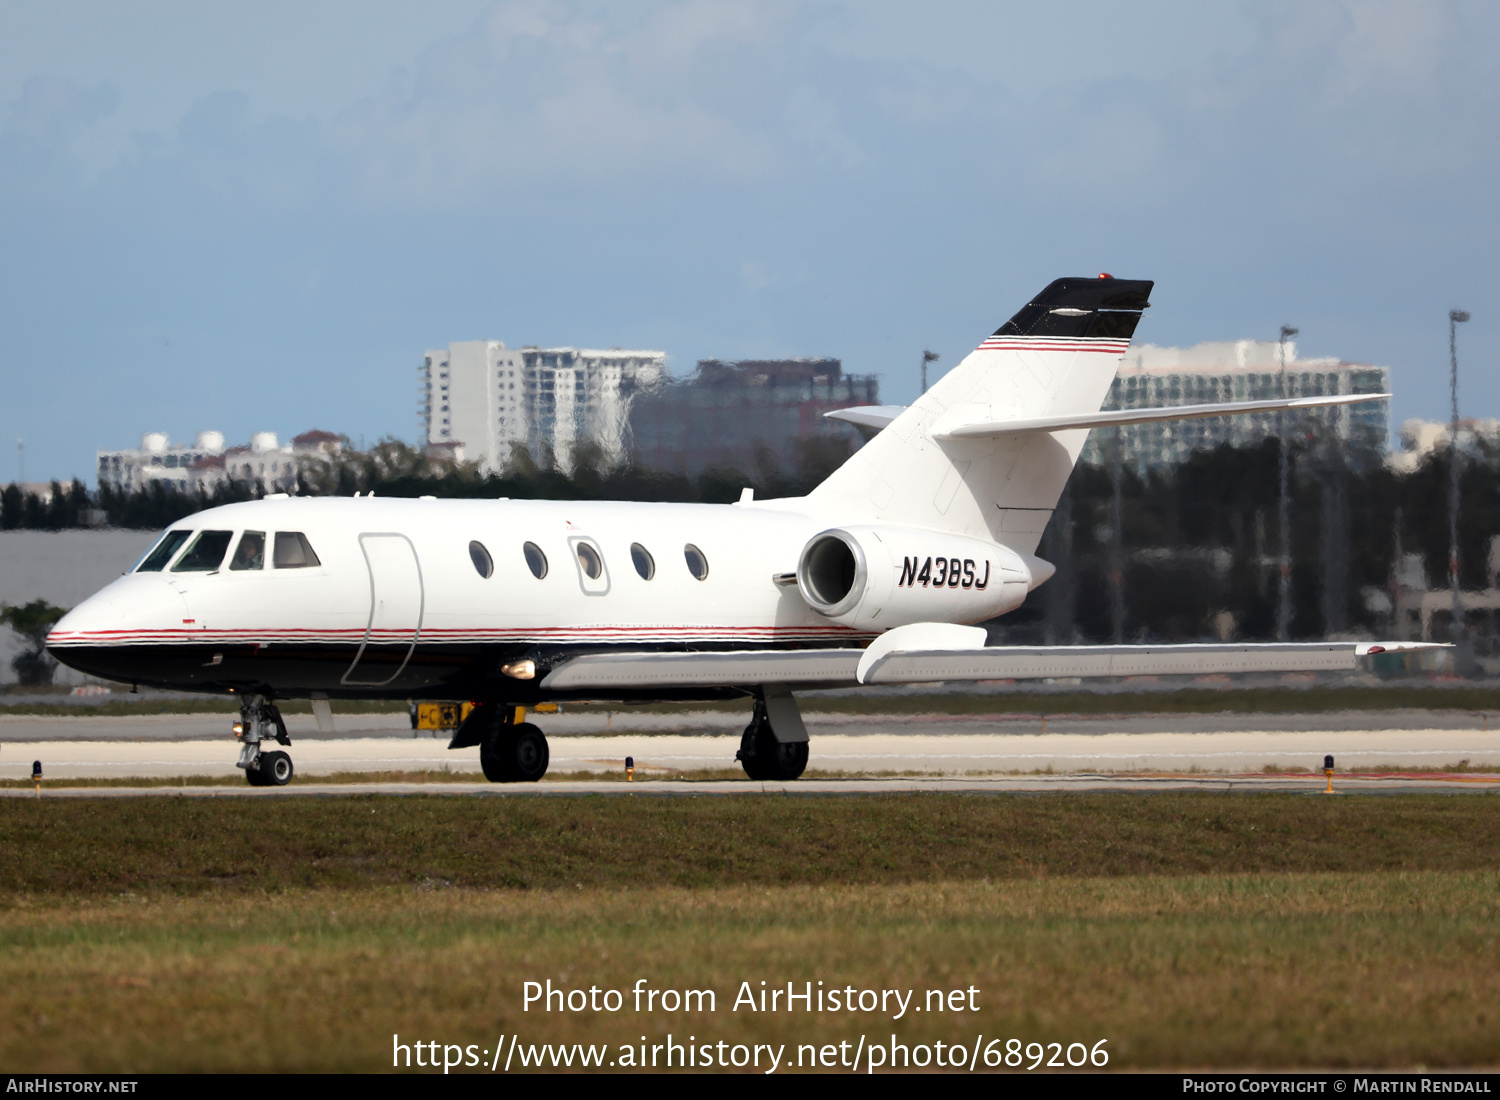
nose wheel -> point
(261, 721)
(274, 770)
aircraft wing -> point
(917, 666)
(924, 662)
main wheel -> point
(275, 769)
(515, 754)
(763, 757)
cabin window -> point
(293, 551)
(483, 564)
(590, 561)
(251, 552)
(697, 564)
(645, 565)
(206, 553)
(161, 553)
(536, 561)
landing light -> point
(520, 670)
(239, 730)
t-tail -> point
(987, 451)
(1055, 358)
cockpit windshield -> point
(206, 553)
(161, 553)
(290, 550)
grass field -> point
(1188, 930)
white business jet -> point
(869, 579)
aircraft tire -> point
(275, 769)
(749, 756)
(763, 757)
(788, 760)
(254, 778)
(492, 761)
(515, 754)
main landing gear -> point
(261, 721)
(510, 750)
(765, 756)
(514, 753)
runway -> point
(600, 722)
(877, 747)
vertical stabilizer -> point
(1056, 357)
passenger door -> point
(397, 600)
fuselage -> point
(394, 597)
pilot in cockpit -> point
(251, 552)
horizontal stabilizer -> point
(961, 427)
(867, 416)
(909, 664)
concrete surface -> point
(945, 753)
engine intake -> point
(832, 573)
(881, 577)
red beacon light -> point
(1105, 275)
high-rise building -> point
(487, 398)
(1241, 370)
(734, 414)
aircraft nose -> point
(101, 635)
(81, 638)
(97, 616)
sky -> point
(257, 216)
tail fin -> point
(1057, 357)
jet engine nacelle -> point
(875, 578)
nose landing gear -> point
(260, 720)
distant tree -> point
(35, 512)
(32, 622)
(12, 507)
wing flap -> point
(730, 669)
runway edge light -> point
(1328, 771)
(630, 769)
(36, 776)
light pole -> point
(1116, 539)
(1456, 317)
(1283, 502)
(927, 357)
